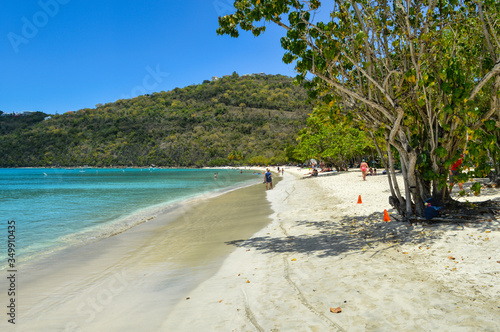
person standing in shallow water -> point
(268, 179)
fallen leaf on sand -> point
(294, 259)
(488, 232)
(498, 262)
(451, 257)
(405, 253)
(187, 298)
(335, 310)
(248, 281)
(220, 301)
(248, 249)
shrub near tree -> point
(414, 72)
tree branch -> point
(356, 96)
(494, 71)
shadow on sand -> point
(325, 238)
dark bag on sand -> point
(432, 208)
(431, 212)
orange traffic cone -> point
(386, 216)
(359, 199)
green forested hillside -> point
(251, 119)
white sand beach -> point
(323, 250)
(320, 250)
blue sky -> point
(65, 55)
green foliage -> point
(218, 162)
(10, 123)
(193, 126)
(334, 142)
(421, 74)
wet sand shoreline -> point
(141, 272)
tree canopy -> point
(422, 74)
(334, 143)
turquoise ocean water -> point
(57, 208)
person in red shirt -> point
(454, 171)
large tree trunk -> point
(408, 208)
(413, 181)
(396, 200)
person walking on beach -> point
(364, 169)
(268, 179)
